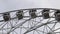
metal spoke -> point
(54, 26)
(41, 31)
(56, 29)
(17, 26)
(36, 27)
(28, 22)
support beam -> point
(34, 28)
(17, 26)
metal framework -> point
(30, 21)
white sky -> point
(7, 5)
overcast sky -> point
(7, 5)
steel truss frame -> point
(32, 28)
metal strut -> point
(19, 15)
(35, 27)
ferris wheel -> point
(30, 21)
